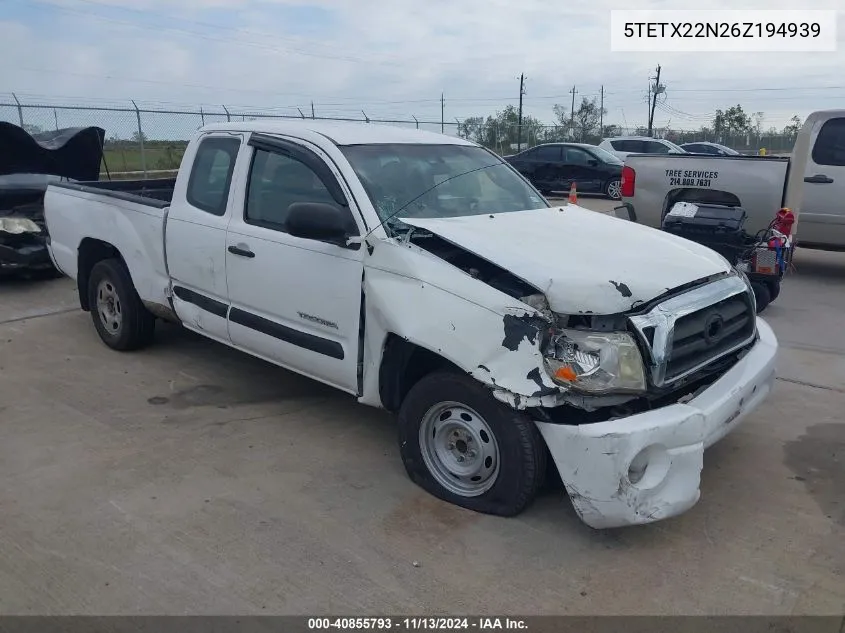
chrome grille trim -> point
(656, 328)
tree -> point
(32, 129)
(732, 121)
(758, 124)
(791, 130)
(138, 136)
(472, 129)
(587, 118)
(500, 133)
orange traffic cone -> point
(573, 195)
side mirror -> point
(592, 162)
(318, 221)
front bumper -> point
(24, 254)
(594, 460)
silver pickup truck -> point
(811, 182)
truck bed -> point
(153, 192)
(755, 183)
(129, 215)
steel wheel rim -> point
(614, 189)
(459, 449)
(109, 307)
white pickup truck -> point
(811, 182)
(424, 275)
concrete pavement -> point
(191, 479)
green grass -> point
(156, 157)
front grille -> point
(688, 332)
(705, 335)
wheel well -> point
(90, 252)
(704, 196)
(403, 364)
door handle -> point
(242, 251)
(819, 179)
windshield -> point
(605, 156)
(439, 181)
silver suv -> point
(621, 146)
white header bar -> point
(723, 31)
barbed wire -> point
(150, 136)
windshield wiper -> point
(429, 190)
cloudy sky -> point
(391, 58)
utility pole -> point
(519, 122)
(573, 92)
(312, 110)
(601, 113)
(442, 113)
(658, 89)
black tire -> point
(774, 290)
(612, 189)
(136, 323)
(761, 295)
(522, 451)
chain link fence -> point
(144, 141)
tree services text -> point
(689, 178)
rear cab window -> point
(211, 174)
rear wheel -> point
(774, 290)
(613, 190)
(119, 316)
(463, 446)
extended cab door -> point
(195, 234)
(822, 218)
(295, 301)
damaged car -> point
(424, 275)
(28, 163)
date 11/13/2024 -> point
(417, 624)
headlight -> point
(595, 362)
(16, 226)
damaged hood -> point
(73, 153)
(583, 261)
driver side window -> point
(276, 181)
(575, 156)
(653, 147)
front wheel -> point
(461, 445)
(613, 190)
(119, 316)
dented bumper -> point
(647, 467)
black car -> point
(555, 166)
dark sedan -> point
(555, 166)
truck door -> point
(195, 235)
(822, 217)
(294, 301)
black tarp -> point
(73, 153)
